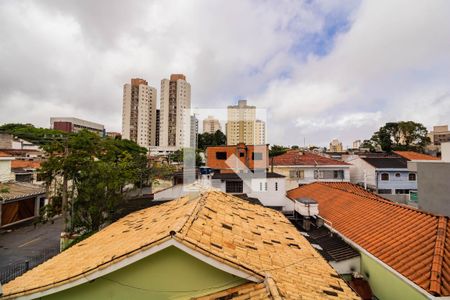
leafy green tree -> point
(211, 139)
(89, 173)
(38, 136)
(403, 135)
(276, 150)
(178, 156)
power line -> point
(207, 288)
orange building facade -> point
(238, 158)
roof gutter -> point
(402, 277)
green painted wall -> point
(386, 285)
(168, 270)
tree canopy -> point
(403, 135)
(38, 136)
(211, 139)
(276, 150)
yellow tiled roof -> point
(249, 237)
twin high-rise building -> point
(242, 125)
(167, 127)
(139, 113)
(175, 112)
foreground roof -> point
(17, 190)
(256, 240)
(297, 157)
(414, 243)
(411, 155)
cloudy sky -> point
(322, 69)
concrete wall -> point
(385, 284)
(347, 266)
(433, 187)
(5, 170)
(168, 274)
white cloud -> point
(391, 62)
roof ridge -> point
(194, 213)
(438, 256)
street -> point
(28, 241)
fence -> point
(10, 272)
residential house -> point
(25, 170)
(209, 246)
(19, 201)
(302, 167)
(387, 174)
(243, 169)
(405, 253)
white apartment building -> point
(139, 113)
(211, 125)
(175, 117)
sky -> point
(321, 69)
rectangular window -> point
(412, 176)
(265, 186)
(221, 155)
(257, 156)
(401, 191)
(385, 176)
(384, 191)
(234, 186)
(276, 186)
(297, 174)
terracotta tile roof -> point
(297, 157)
(4, 154)
(254, 239)
(411, 155)
(414, 243)
(25, 164)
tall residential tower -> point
(211, 125)
(139, 113)
(175, 112)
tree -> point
(276, 150)
(38, 136)
(211, 139)
(403, 135)
(88, 173)
(179, 155)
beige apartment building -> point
(260, 132)
(175, 114)
(241, 125)
(336, 146)
(211, 125)
(139, 113)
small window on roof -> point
(385, 176)
(221, 155)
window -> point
(265, 186)
(276, 186)
(385, 177)
(384, 191)
(412, 176)
(397, 175)
(260, 186)
(221, 155)
(234, 186)
(401, 191)
(257, 156)
(241, 154)
(297, 174)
